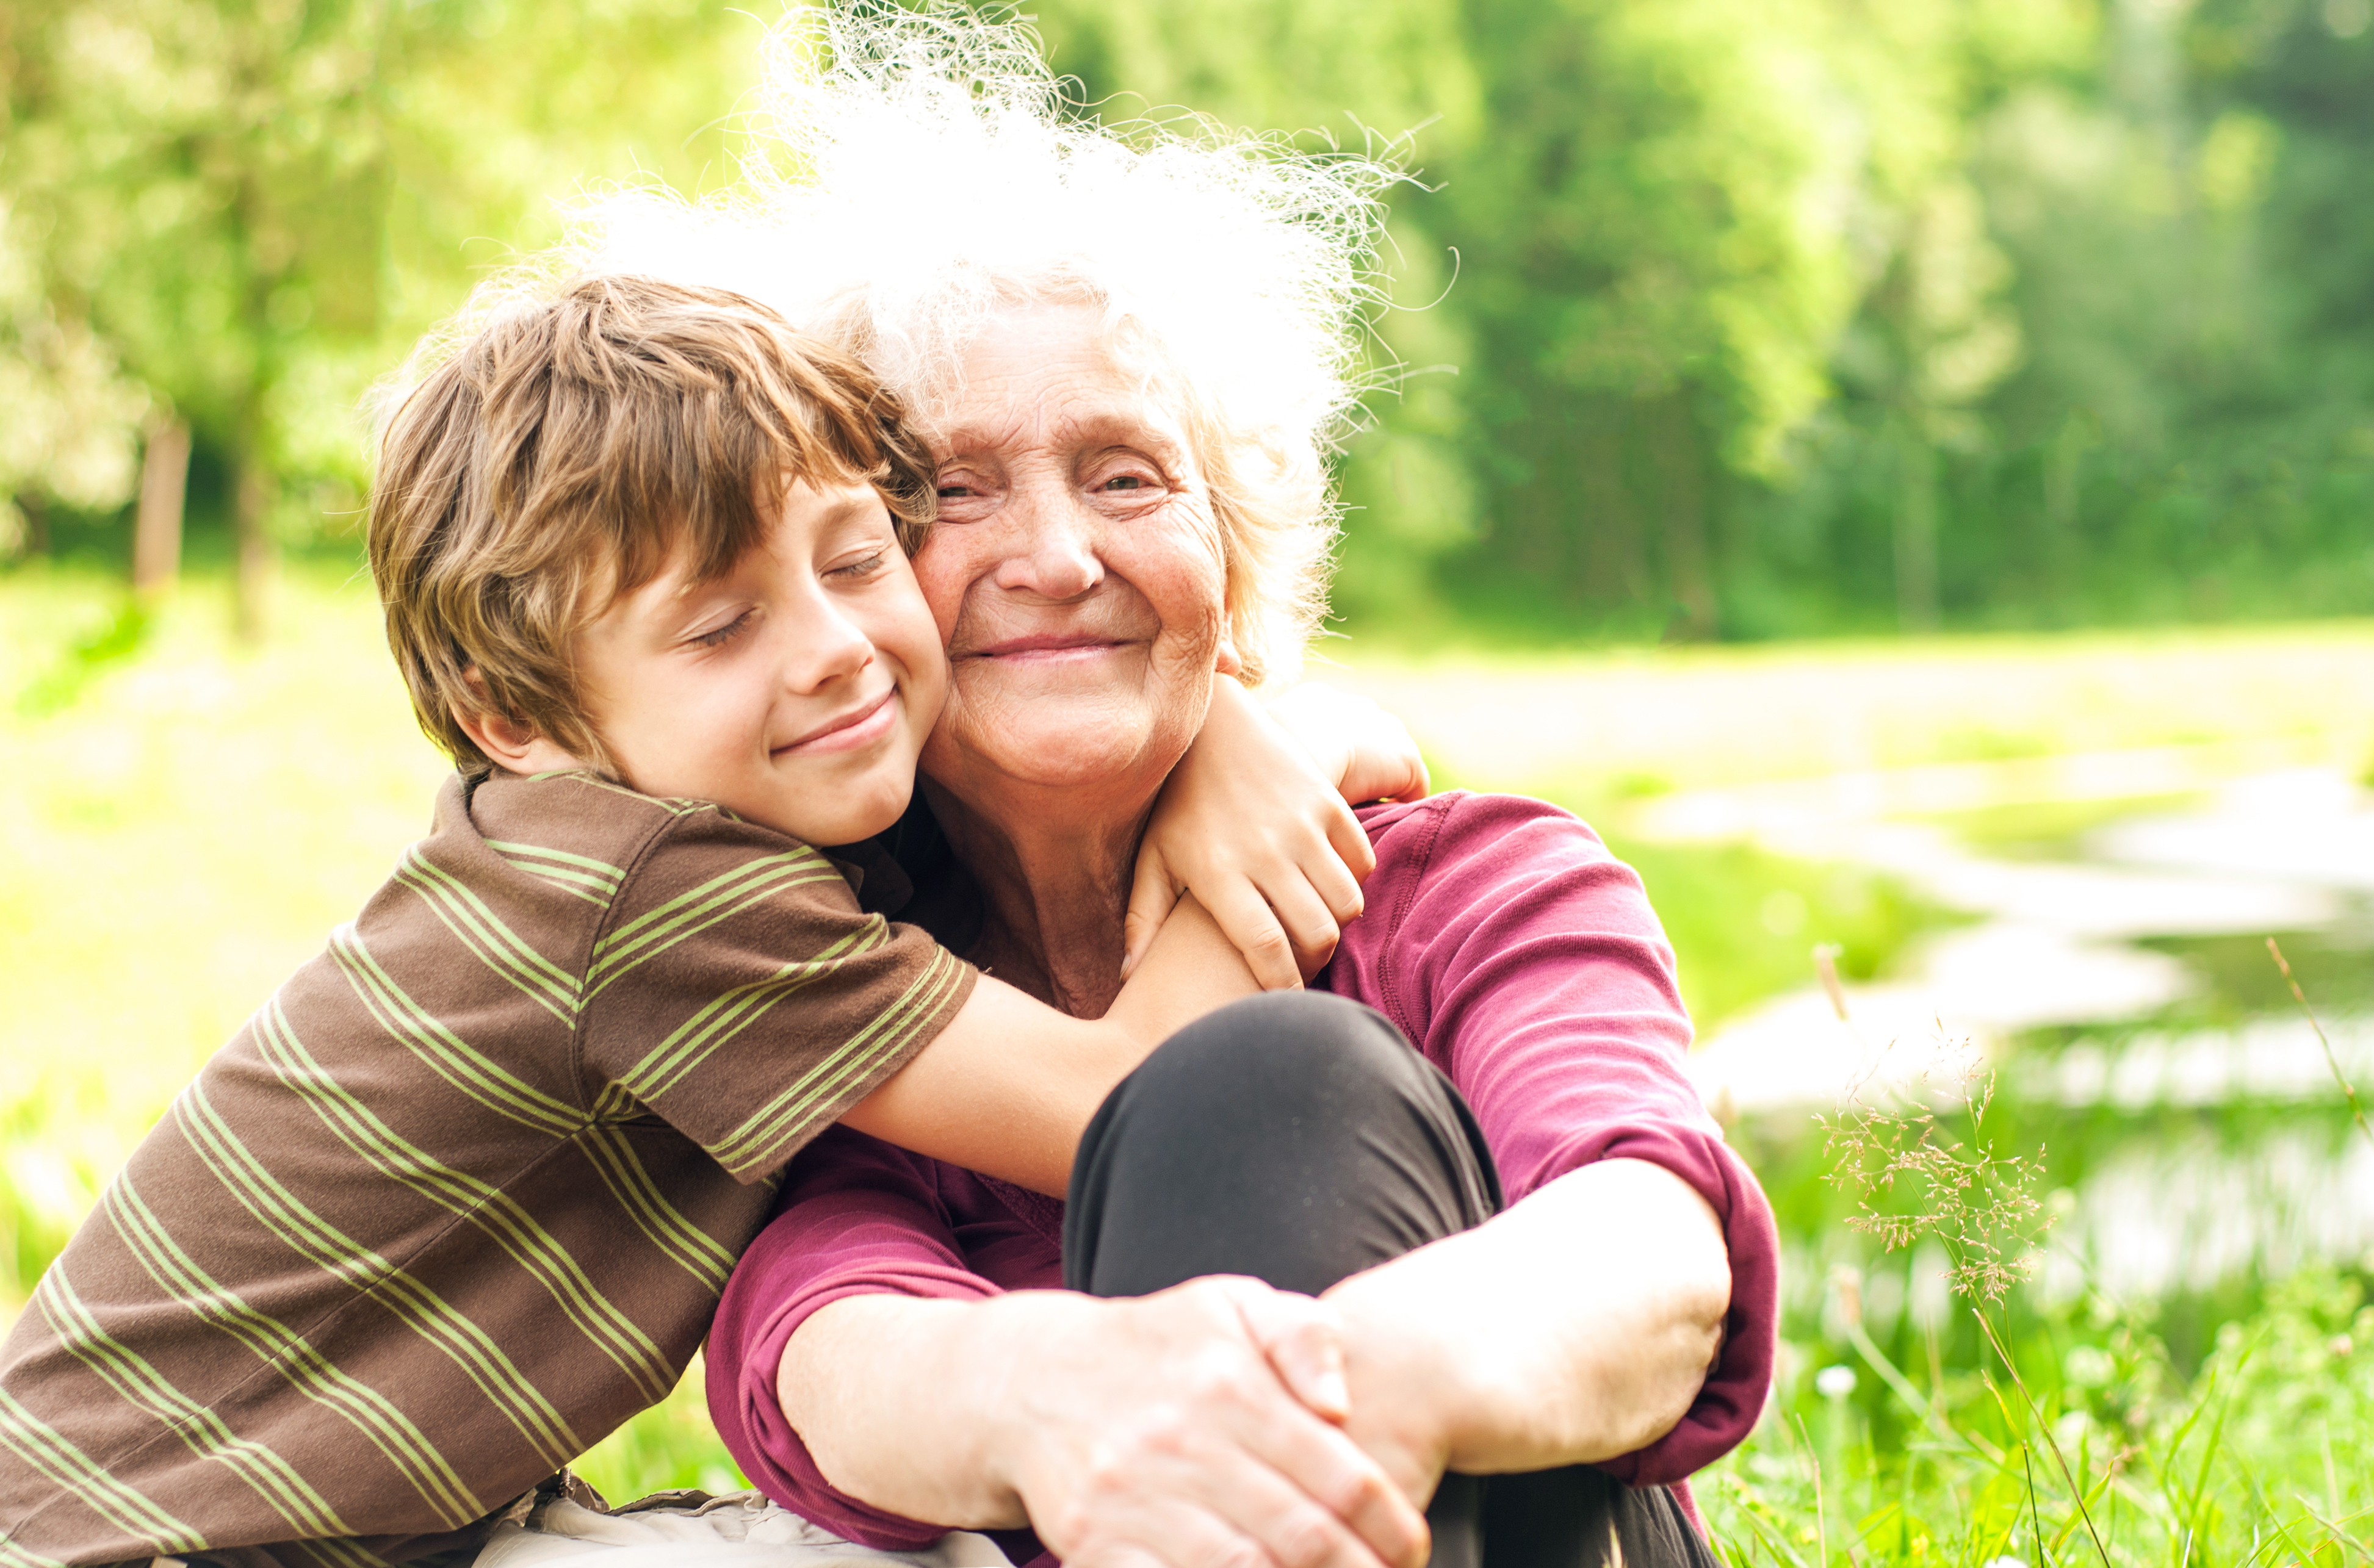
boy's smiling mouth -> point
(858, 728)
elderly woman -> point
(1310, 1279)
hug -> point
(896, 921)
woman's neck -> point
(1056, 875)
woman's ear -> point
(513, 744)
(1225, 660)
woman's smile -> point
(1048, 648)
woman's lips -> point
(854, 730)
(1043, 649)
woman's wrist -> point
(900, 1404)
(1014, 1447)
(1400, 1373)
(1575, 1328)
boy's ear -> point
(513, 744)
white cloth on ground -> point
(741, 1528)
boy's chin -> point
(854, 811)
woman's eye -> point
(725, 633)
(1127, 482)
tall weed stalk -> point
(2076, 1432)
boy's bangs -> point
(716, 530)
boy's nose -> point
(832, 648)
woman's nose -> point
(1053, 542)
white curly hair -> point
(914, 172)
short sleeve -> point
(737, 990)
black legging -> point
(1297, 1138)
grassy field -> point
(181, 821)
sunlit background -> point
(1903, 470)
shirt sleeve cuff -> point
(771, 1454)
(1727, 1407)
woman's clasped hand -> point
(1198, 1426)
(1201, 1430)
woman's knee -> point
(1291, 1135)
(1281, 1055)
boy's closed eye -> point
(858, 570)
(719, 637)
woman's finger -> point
(1303, 1338)
(1171, 1426)
(1150, 1526)
(1152, 895)
(1189, 1522)
(1314, 1498)
(1214, 1494)
(1184, 1482)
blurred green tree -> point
(1707, 318)
(1664, 219)
(256, 204)
(73, 416)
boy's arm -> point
(1008, 1086)
(1256, 821)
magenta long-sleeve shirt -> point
(1510, 947)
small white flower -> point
(1837, 1383)
(2004, 1562)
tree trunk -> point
(2065, 472)
(1916, 532)
(36, 508)
(1614, 565)
(252, 525)
(1682, 486)
(164, 483)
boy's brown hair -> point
(566, 446)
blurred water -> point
(2116, 980)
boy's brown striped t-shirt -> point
(461, 1197)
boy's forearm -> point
(1191, 969)
(1010, 1084)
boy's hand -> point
(1250, 824)
(1366, 750)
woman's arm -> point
(866, 1376)
(1172, 1429)
(1575, 1328)
(1522, 959)
(1009, 1085)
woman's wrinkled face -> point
(1076, 572)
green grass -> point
(2260, 1456)
(181, 822)
(1744, 921)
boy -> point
(460, 1198)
